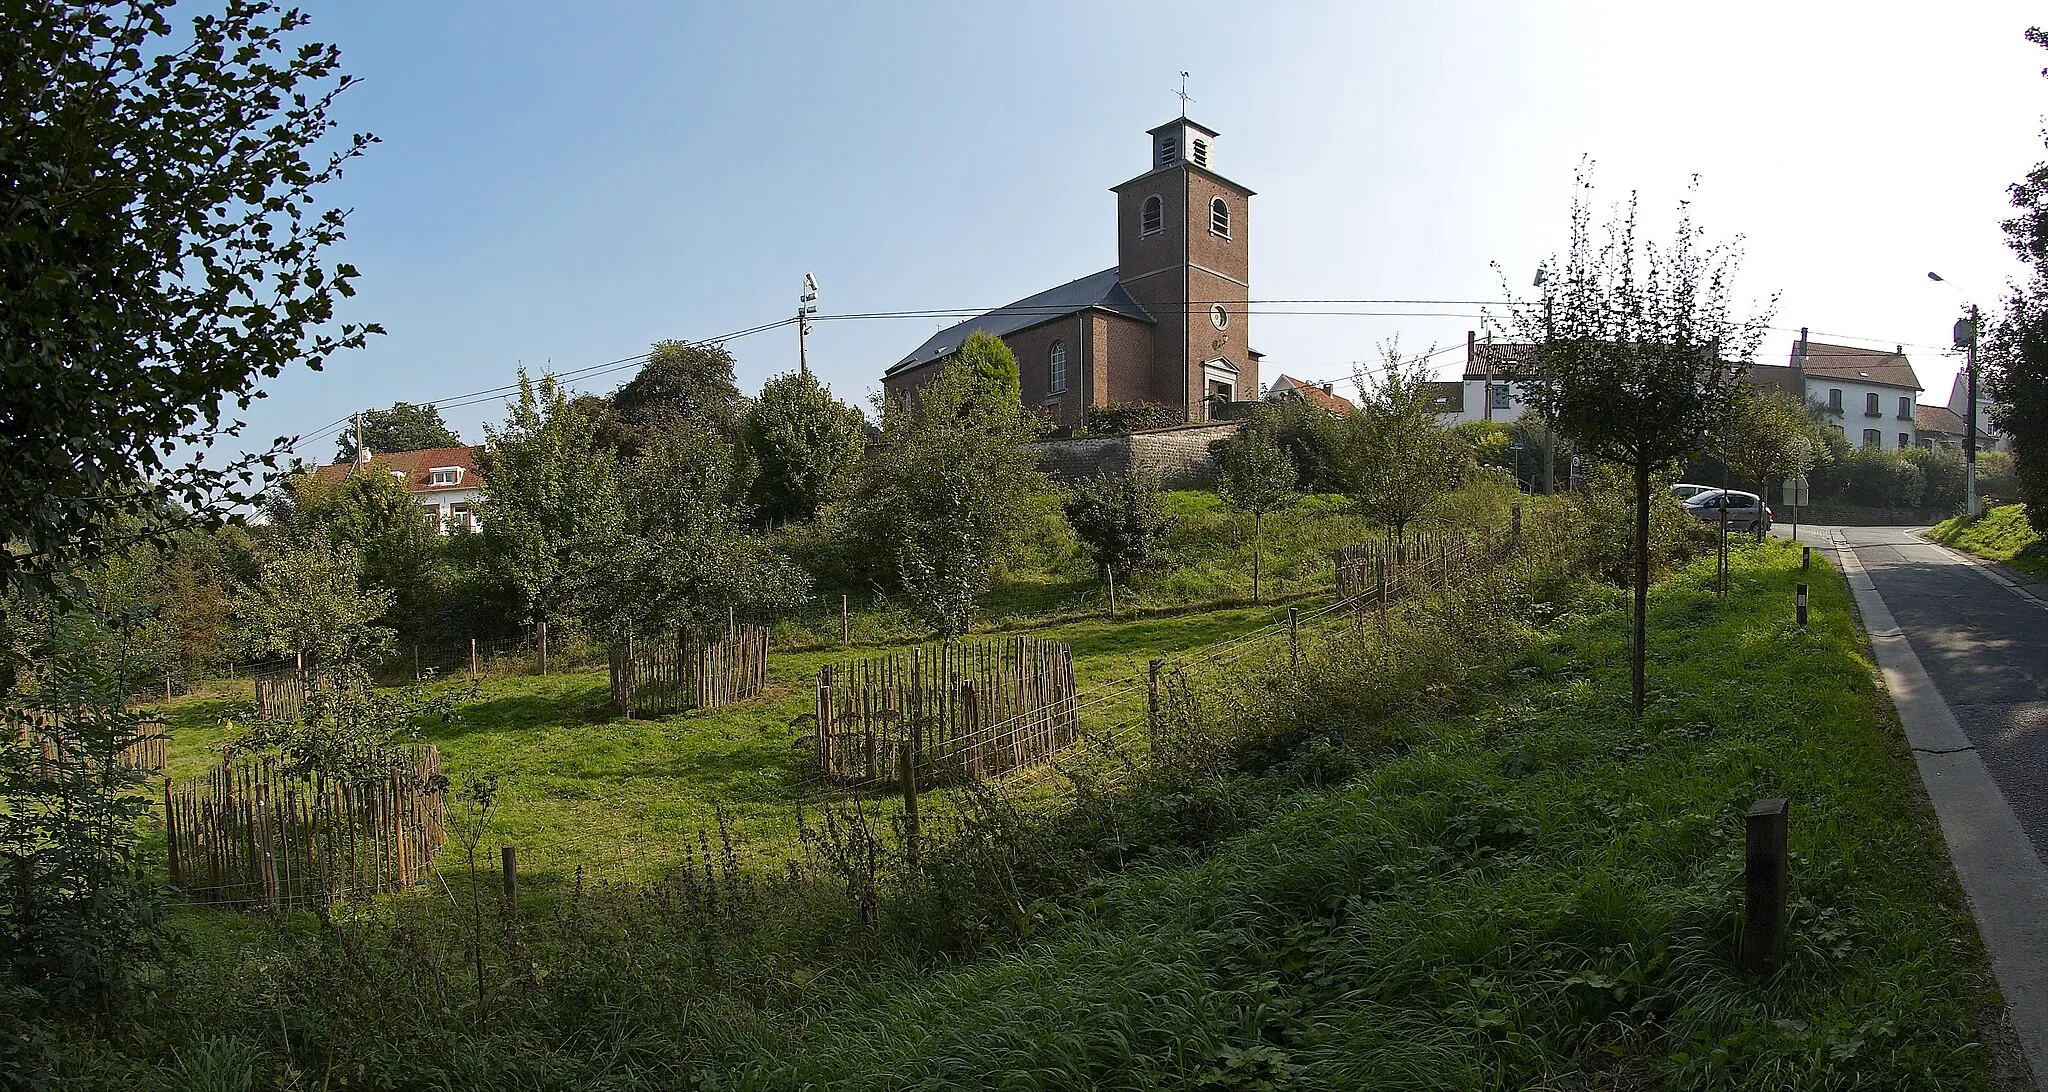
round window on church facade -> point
(1219, 316)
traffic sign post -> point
(1795, 499)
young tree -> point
(994, 366)
(682, 385)
(403, 427)
(1255, 476)
(310, 602)
(949, 491)
(2017, 359)
(1767, 434)
(1396, 457)
(551, 501)
(376, 515)
(1120, 519)
(799, 446)
(1632, 344)
(682, 557)
(161, 253)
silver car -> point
(1746, 511)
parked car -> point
(1746, 511)
(1686, 491)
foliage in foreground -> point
(1487, 875)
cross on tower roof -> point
(1185, 98)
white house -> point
(1869, 394)
(1486, 392)
(1989, 438)
(444, 480)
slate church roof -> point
(1095, 292)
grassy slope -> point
(2002, 535)
(1540, 893)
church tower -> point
(1183, 251)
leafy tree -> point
(949, 492)
(403, 427)
(1120, 519)
(800, 446)
(2016, 362)
(310, 601)
(376, 515)
(551, 501)
(1396, 458)
(1307, 433)
(681, 557)
(1768, 434)
(1632, 341)
(161, 253)
(79, 918)
(1255, 476)
(682, 385)
(989, 359)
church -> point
(1168, 325)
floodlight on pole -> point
(1966, 339)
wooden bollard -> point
(845, 623)
(906, 764)
(1294, 638)
(472, 659)
(541, 643)
(1805, 558)
(1799, 599)
(509, 861)
(1765, 875)
(1109, 576)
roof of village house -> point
(417, 466)
(1336, 404)
(1446, 395)
(1504, 357)
(1097, 291)
(1877, 366)
(1938, 419)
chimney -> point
(1899, 349)
(1471, 347)
(1802, 346)
(1329, 388)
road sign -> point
(1795, 491)
(1515, 447)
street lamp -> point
(1966, 338)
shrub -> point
(1120, 519)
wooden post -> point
(1152, 724)
(171, 836)
(1515, 526)
(509, 859)
(1721, 554)
(167, 684)
(906, 763)
(541, 643)
(1800, 600)
(1805, 558)
(845, 622)
(1294, 637)
(1765, 876)
(1109, 575)
(472, 659)
(415, 661)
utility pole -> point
(1970, 423)
(1488, 398)
(1549, 444)
(806, 306)
(357, 421)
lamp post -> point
(1966, 339)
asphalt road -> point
(1985, 648)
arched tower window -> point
(1152, 219)
(1056, 367)
(1219, 217)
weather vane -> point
(1185, 98)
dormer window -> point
(1056, 368)
(447, 475)
(399, 474)
(1169, 150)
(1219, 218)
(1152, 219)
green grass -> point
(2003, 534)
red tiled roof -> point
(1336, 404)
(1939, 419)
(1507, 359)
(1889, 369)
(417, 466)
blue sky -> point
(560, 185)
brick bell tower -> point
(1183, 251)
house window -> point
(433, 512)
(1870, 405)
(1873, 438)
(1905, 408)
(1151, 220)
(1219, 217)
(1168, 148)
(1500, 396)
(1834, 399)
(1905, 440)
(1056, 371)
(447, 475)
(1201, 151)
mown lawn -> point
(2003, 534)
